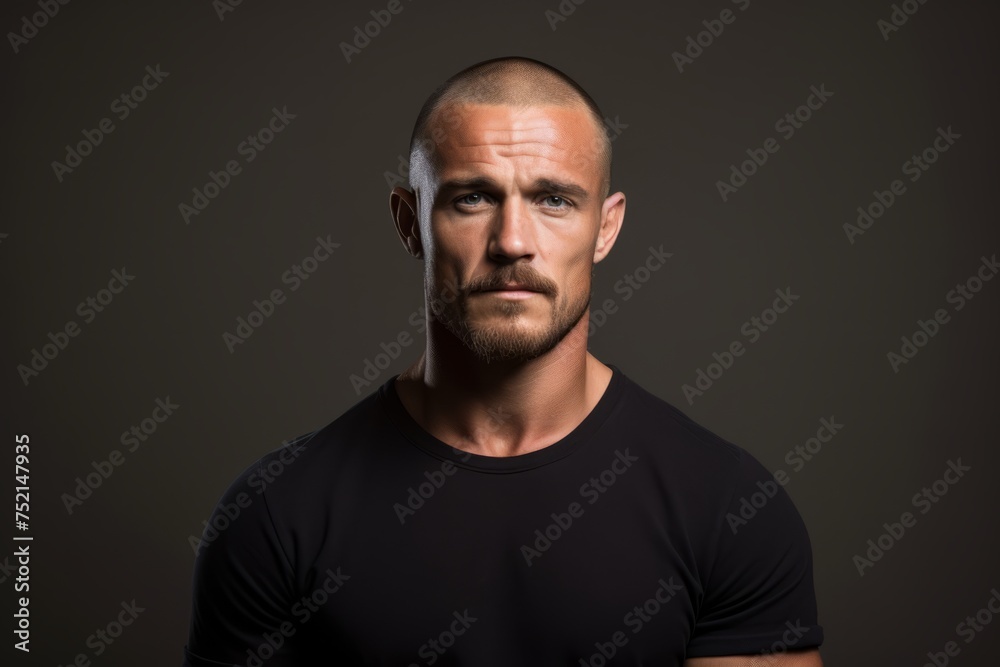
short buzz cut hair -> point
(516, 81)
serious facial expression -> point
(510, 209)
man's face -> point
(510, 210)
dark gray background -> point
(324, 175)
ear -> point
(403, 207)
(612, 219)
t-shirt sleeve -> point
(243, 584)
(758, 592)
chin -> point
(493, 341)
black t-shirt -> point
(638, 538)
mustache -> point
(521, 274)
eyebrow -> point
(486, 183)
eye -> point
(555, 201)
(471, 199)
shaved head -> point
(508, 207)
(513, 81)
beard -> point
(510, 338)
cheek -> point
(581, 278)
(451, 259)
(579, 263)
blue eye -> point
(556, 201)
(471, 199)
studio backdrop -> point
(199, 264)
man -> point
(508, 499)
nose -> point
(512, 233)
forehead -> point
(477, 137)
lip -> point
(511, 291)
(512, 287)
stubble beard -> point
(510, 342)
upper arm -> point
(243, 582)
(758, 595)
(807, 658)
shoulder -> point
(671, 429)
(705, 471)
(307, 460)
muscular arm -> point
(809, 658)
(759, 604)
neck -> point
(502, 408)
